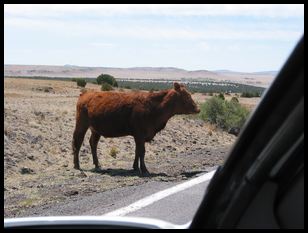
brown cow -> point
(116, 114)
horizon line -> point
(165, 67)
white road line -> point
(160, 195)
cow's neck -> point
(166, 109)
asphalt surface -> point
(98, 203)
(178, 208)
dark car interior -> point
(261, 184)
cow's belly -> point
(114, 134)
(110, 127)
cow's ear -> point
(177, 86)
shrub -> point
(107, 79)
(212, 110)
(221, 96)
(257, 94)
(47, 89)
(250, 94)
(246, 95)
(236, 115)
(81, 82)
(113, 152)
(106, 87)
(224, 114)
(234, 99)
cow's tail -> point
(81, 127)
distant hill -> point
(80, 71)
(231, 72)
(274, 73)
(258, 79)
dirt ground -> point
(39, 119)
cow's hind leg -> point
(93, 143)
(77, 141)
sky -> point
(247, 38)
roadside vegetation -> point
(107, 82)
(250, 94)
(81, 82)
(106, 87)
(222, 113)
(208, 87)
(106, 78)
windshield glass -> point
(127, 110)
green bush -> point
(106, 87)
(236, 115)
(81, 82)
(224, 114)
(234, 99)
(250, 94)
(221, 96)
(106, 78)
(212, 110)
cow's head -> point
(184, 103)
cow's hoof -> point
(136, 168)
(77, 167)
(98, 169)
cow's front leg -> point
(140, 152)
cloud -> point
(102, 44)
(54, 10)
(97, 28)
(204, 45)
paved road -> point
(178, 208)
(175, 202)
